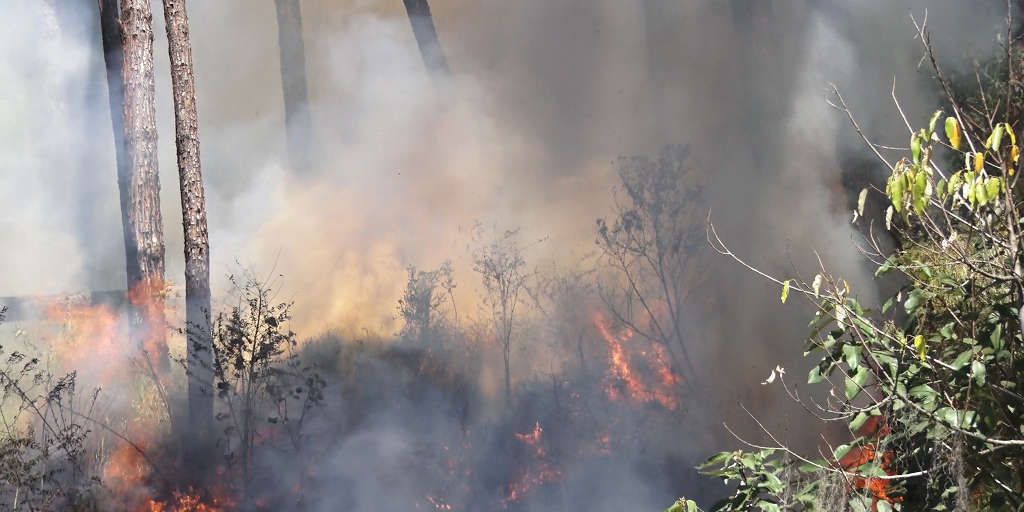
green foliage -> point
(931, 393)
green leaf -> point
(920, 346)
(955, 181)
(978, 372)
(992, 187)
(980, 193)
(852, 355)
(996, 138)
(913, 300)
(785, 291)
(814, 376)
(953, 132)
(854, 384)
(841, 451)
(947, 331)
(861, 199)
(996, 337)
(683, 505)
(948, 415)
(962, 359)
(920, 192)
(858, 421)
(933, 121)
(915, 148)
(942, 188)
(888, 304)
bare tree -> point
(562, 299)
(139, 179)
(193, 209)
(426, 37)
(298, 123)
(651, 244)
(500, 263)
(421, 304)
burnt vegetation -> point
(302, 425)
(517, 381)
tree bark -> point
(193, 209)
(298, 122)
(138, 173)
(426, 37)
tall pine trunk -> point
(193, 209)
(426, 37)
(138, 175)
(298, 122)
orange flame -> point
(663, 391)
(188, 502)
(100, 341)
(875, 427)
(540, 472)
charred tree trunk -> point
(298, 122)
(426, 37)
(138, 178)
(193, 209)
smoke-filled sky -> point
(545, 95)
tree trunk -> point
(426, 37)
(138, 178)
(298, 122)
(193, 209)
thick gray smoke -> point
(545, 95)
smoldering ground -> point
(544, 96)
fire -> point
(875, 427)
(126, 474)
(107, 348)
(89, 333)
(620, 370)
(100, 342)
(539, 472)
(438, 504)
(533, 438)
(187, 502)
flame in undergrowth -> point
(101, 342)
(438, 504)
(89, 333)
(541, 470)
(640, 386)
(189, 502)
(127, 349)
(876, 428)
(603, 446)
(533, 439)
(126, 474)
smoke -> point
(544, 96)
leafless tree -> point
(421, 304)
(651, 244)
(562, 299)
(499, 261)
(193, 209)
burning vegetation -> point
(290, 414)
(553, 365)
